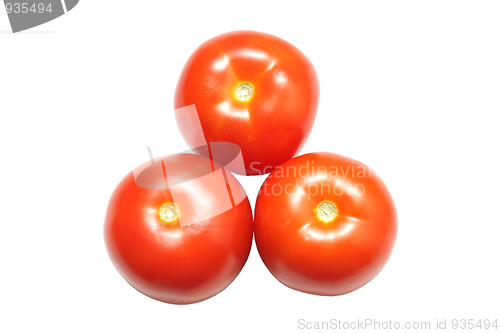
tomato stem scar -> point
(327, 211)
(168, 212)
(244, 92)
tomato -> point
(251, 89)
(180, 230)
(325, 224)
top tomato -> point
(251, 89)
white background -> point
(408, 88)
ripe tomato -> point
(325, 224)
(183, 242)
(251, 89)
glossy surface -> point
(274, 124)
(167, 261)
(324, 258)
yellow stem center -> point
(244, 92)
(327, 211)
(169, 212)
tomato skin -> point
(167, 262)
(275, 123)
(324, 258)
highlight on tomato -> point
(251, 89)
(179, 228)
(325, 224)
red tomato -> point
(325, 224)
(252, 89)
(162, 257)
